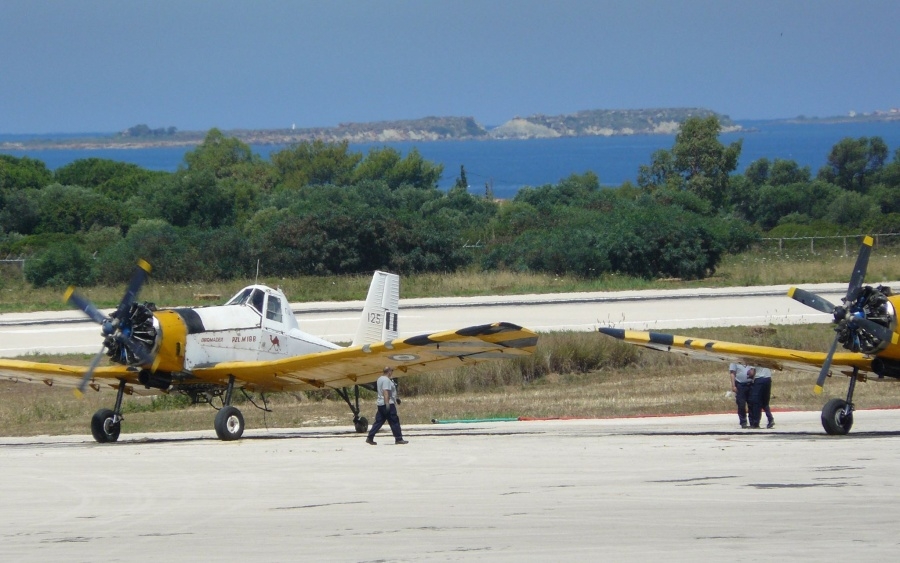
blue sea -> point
(509, 165)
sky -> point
(106, 65)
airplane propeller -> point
(126, 331)
(850, 316)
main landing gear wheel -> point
(105, 426)
(834, 421)
(229, 423)
(361, 424)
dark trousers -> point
(760, 393)
(389, 415)
(740, 397)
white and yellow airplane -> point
(865, 324)
(253, 343)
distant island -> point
(852, 117)
(665, 121)
(588, 123)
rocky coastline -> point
(663, 121)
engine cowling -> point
(137, 325)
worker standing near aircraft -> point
(387, 408)
(760, 393)
(740, 385)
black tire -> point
(104, 427)
(361, 424)
(229, 423)
(834, 421)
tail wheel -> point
(361, 424)
(229, 423)
(834, 421)
(105, 426)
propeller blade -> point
(79, 391)
(137, 348)
(80, 302)
(878, 331)
(138, 277)
(826, 367)
(859, 270)
(811, 300)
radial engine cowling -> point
(872, 304)
(137, 328)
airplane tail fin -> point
(379, 316)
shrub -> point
(61, 264)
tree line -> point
(320, 208)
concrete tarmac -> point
(693, 488)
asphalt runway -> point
(63, 332)
(691, 488)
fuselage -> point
(257, 324)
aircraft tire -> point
(103, 428)
(833, 420)
(361, 424)
(229, 423)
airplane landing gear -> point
(229, 422)
(837, 415)
(106, 424)
(360, 423)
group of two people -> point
(752, 387)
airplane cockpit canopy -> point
(252, 296)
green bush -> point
(60, 265)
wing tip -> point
(614, 332)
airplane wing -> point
(335, 368)
(363, 364)
(716, 350)
(67, 376)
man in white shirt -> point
(740, 385)
(387, 408)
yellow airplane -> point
(253, 343)
(865, 324)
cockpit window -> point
(241, 297)
(249, 296)
(256, 299)
(273, 309)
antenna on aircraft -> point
(256, 281)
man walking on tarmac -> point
(387, 408)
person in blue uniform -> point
(387, 408)
(760, 394)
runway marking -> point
(54, 350)
(91, 327)
(302, 319)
